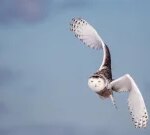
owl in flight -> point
(101, 82)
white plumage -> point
(96, 84)
(136, 103)
(88, 35)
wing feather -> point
(86, 33)
(136, 103)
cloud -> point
(65, 130)
(33, 11)
(74, 4)
(4, 132)
(7, 75)
(50, 130)
(23, 10)
(3, 108)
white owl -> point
(102, 83)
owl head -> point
(96, 83)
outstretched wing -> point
(136, 103)
(86, 33)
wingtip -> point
(140, 122)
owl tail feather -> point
(113, 101)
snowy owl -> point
(101, 81)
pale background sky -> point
(44, 68)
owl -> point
(102, 83)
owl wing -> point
(86, 33)
(136, 103)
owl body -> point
(99, 83)
(103, 76)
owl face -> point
(96, 84)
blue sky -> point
(44, 68)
